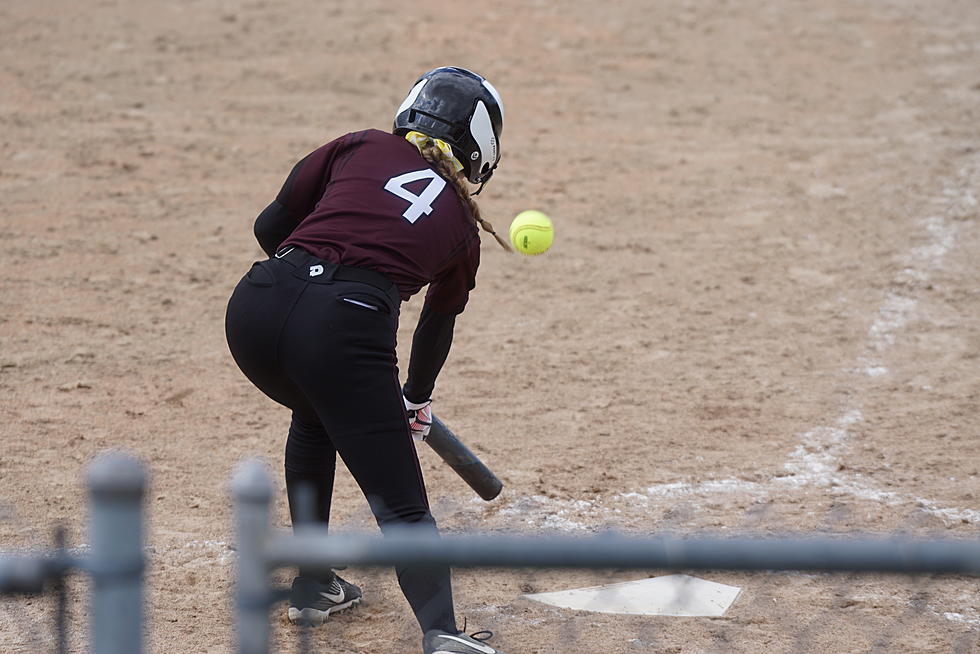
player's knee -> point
(308, 450)
(415, 518)
(306, 427)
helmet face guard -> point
(462, 109)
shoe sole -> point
(310, 617)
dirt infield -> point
(760, 313)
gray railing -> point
(115, 561)
(261, 551)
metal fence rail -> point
(850, 554)
(261, 551)
(115, 562)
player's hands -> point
(419, 418)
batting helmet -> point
(462, 109)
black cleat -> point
(441, 642)
(311, 601)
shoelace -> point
(476, 635)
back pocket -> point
(259, 275)
(363, 303)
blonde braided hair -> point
(431, 152)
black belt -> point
(301, 258)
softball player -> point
(360, 225)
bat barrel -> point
(462, 460)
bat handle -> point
(466, 464)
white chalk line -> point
(814, 463)
(208, 552)
(192, 554)
(817, 461)
(972, 619)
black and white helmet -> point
(462, 109)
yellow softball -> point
(531, 232)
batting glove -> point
(419, 418)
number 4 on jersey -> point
(418, 204)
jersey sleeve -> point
(309, 179)
(298, 196)
(272, 227)
(430, 348)
(445, 299)
(450, 291)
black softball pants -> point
(324, 346)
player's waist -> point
(323, 271)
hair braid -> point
(431, 152)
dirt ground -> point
(760, 313)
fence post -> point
(252, 493)
(116, 485)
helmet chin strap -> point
(485, 180)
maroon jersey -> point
(370, 200)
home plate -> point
(678, 595)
